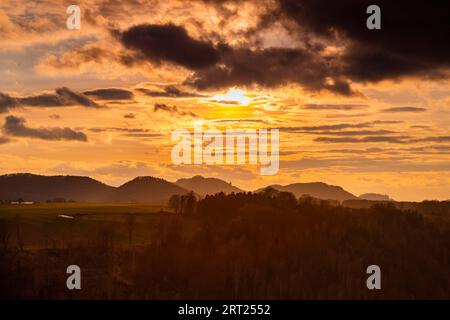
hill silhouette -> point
(317, 190)
(375, 197)
(146, 189)
(204, 186)
(39, 188)
(31, 187)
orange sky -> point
(388, 135)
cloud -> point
(61, 98)
(390, 164)
(338, 126)
(335, 106)
(173, 109)
(123, 169)
(222, 65)
(169, 43)
(4, 140)
(110, 94)
(170, 92)
(410, 42)
(129, 116)
(16, 127)
(271, 67)
(7, 102)
(389, 139)
(404, 109)
(352, 133)
(239, 121)
(400, 139)
(129, 132)
(434, 139)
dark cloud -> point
(404, 109)
(434, 139)
(271, 67)
(16, 127)
(169, 43)
(7, 102)
(173, 109)
(110, 94)
(220, 65)
(412, 40)
(170, 92)
(61, 98)
(420, 127)
(129, 116)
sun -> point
(233, 96)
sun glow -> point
(232, 97)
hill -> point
(317, 190)
(375, 197)
(204, 186)
(31, 187)
(146, 189)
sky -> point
(368, 110)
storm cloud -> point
(61, 98)
(169, 43)
(411, 42)
(15, 126)
(110, 94)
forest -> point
(266, 245)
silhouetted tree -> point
(174, 202)
(286, 199)
(269, 192)
(190, 203)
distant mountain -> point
(204, 186)
(317, 190)
(146, 189)
(31, 187)
(375, 197)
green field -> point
(34, 212)
(43, 224)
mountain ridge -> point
(319, 190)
(204, 186)
(40, 188)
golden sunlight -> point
(233, 96)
